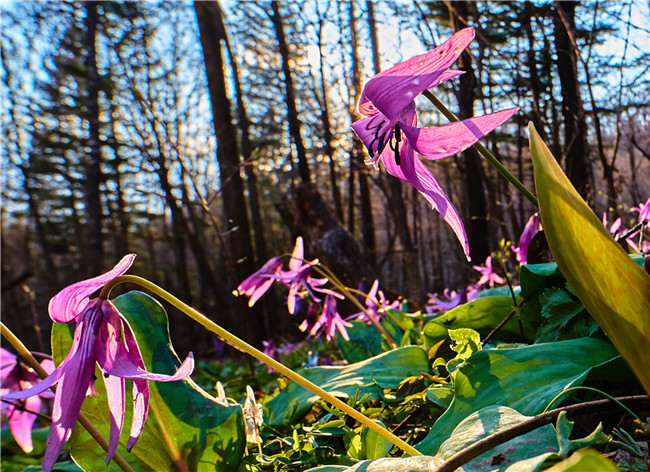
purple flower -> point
(376, 304)
(389, 127)
(533, 226)
(488, 274)
(299, 276)
(615, 226)
(451, 299)
(330, 321)
(104, 337)
(14, 377)
(257, 284)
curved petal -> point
(70, 302)
(443, 141)
(297, 256)
(393, 89)
(21, 422)
(374, 132)
(7, 363)
(36, 389)
(140, 389)
(75, 375)
(115, 391)
(413, 171)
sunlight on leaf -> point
(613, 288)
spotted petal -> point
(393, 89)
(442, 141)
(69, 303)
(413, 171)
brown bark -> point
(292, 111)
(240, 248)
(577, 163)
(356, 156)
(94, 263)
(410, 267)
(477, 223)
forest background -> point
(205, 137)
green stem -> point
(483, 150)
(256, 353)
(591, 389)
(341, 287)
(42, 373)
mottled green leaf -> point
(585, 461)
(482, 315)
(386, 370)
(613, 288)
(524, 378)
(186, 429)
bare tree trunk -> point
(477, 224)
(212, 32)
(367, 220)
(577, 163)
(327, 131)
(93, 161)
(292, 111)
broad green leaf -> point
(585, 461)
(482, 315)
(613, 288)
(367, 377)
(365, 341)
(369, 444)
(186, 428)
(523, 378)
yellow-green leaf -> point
(613, 288)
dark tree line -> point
(205, 137)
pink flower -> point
(488, 274)
(14, 377)
(299, 276)
(376, 304)
(330, 321)
(389, 127)
(104, 337)
(533, 226)
(451, 299)
(257, 284)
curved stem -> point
(82, 419)
(591, 389)
(340, 286)
(259, 355)
(483, 445)
(483, 150)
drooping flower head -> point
(449, 299)
(489, 276)
(257, 284)
(533, 226)
(104, 337)
(376, 304)
(253, 416)
(644, 213)
(299, 277)
(389, 128)
(14, 376)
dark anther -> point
(106, 375)
(381, 139)
(398, 139)
(93, 376)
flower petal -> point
(76, 372)
(393, 89)
(297, 257)
(375, 133)
(140, 389)
(115, 391)
(21, 422)
(70, 302)
(413, 171)
(443, 141)
(36, 389)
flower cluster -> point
(103, 337)
(302, 285)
